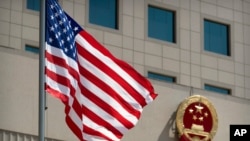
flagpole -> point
(41, 99)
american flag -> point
(103, 96)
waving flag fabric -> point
(103, 96)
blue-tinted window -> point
(33, 5)
(161, 77)
(104, 13)
(217, 89)
(216, 37)
(32, 49)
(161, 24)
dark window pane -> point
(32, 49)
(217, 89)
(216, 37)
(161, 24)
(161, 77)
(33, 5)
(103, 13)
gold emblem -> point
(196, 119)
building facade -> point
(184, 47)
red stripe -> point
(93, 132)
(102, 66)
(78, 108)
(109, 90)
(74, 128)
(64, 81)
(99, 120)
(61, 62)
(130, 70)
(59, 79)
(106, 107)
(56, 93)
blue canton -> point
(61, 29)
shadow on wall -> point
(169, 133)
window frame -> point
(229, 87)
(100, 27)
(176, 22)
(230, 36)
(30, 43)
(166, 11)
(164, 75)
(218, 87)
(25, 9)
(162, 72)
(31, 46)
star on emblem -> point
(191, 111)
(198, 109)
(201, 118)
(194, 117)
(206, 114)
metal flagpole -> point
(41, 99)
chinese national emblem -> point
(196, 119)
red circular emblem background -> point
(196, 119)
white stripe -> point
(144, 92)
(72, 114)
(57, 86)
(109, 81)
(61, 88)
(103, 114)
(109, 100)
(61, 71)
(89, 137)
(75, 118)
(88, 122)
(59, 53)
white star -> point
(56, 25)
(64, 30)
(70, 24)
(60, 11)
(76, 28)
(65, 49)
(50, 40)
(62, 41)
(68, 39)
(52, 17)
(52, 28)
(60, 22)
(52, 6)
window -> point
(161, 24)
(32, 49)
(161, 77)
(33, 5)
(217, 89)
(216, 37)
(104, 13)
